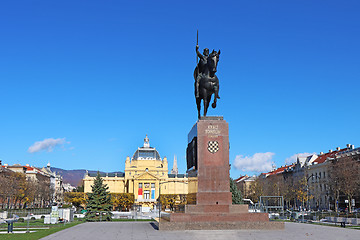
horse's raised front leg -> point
(213, 105)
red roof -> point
(322, 158)
(241, 177)
(279, 170)
(28, 168)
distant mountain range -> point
(73, 177)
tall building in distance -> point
(175, 170)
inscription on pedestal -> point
(213, 131)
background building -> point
(243, 183)
(324, 181)
(28, 186)
(146, 176)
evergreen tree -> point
(236, 193)
(99, 202)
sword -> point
(197, 43)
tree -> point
(7, 188)
(289, 193)
(77, 199)
(345, 177)
(168, 200)
(236, 193)
(302, 193)
(99, 202)
(123, 200)
(79, 188)
(256, 189)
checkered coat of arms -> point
(213, 146)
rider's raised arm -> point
(198, 53)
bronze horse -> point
(209, 83)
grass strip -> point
(39, 233)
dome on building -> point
(146, 152)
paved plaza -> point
(147, 230)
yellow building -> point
(146, 176)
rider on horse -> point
(201, 68)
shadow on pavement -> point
(154, 225)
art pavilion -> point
(146, 175)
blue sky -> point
(95, 76)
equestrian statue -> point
(206, 82)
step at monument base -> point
(218, 217)
(165, 225)
(241, 208)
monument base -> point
(228, 225)
(218, 217)
(209, 155)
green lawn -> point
(39, 233)
(34, 223)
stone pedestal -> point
(213, 162)
(213, 208)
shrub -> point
(21, 220)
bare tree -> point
(256, 189)
(344, 178)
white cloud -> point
(259, 162)
(46, 145)
(293, 158)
